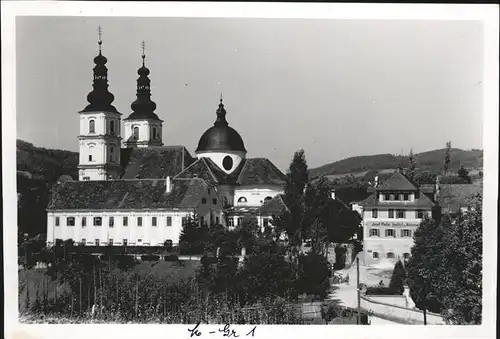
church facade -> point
(133, 190)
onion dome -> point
(143, 107)
(100, 98)
(221, 137)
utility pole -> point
(358, 289)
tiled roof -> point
(155, 162)
(260, 171)
(275, 206)
(398, 182)
(453, 197)
(422, 201)
(250, 172)
(127, 194)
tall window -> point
(57, 221)
(420, 214)
(169, 221)
(125, 221)
(184, 221)
(84, 241)
(406, 197)
(111, 221)
(202, 221)
(110, 242)
(84, 221)
(91, 126)
(203, 200)
(97, 221)
(70, 221)
(112, 127)
(386, 197)
(375, 255)
(139, 221)
(125, 242)
(406, 233)
(230, 221)
(390, 233)
(217, 220)
(400, 214)
(153, 221)
(154, 133)
(391, 213)
(136, 133)
(374, 232)
(97, 242)
(214, 201)
(111, 154)
(374, 213)
(239, 221)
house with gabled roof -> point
(139, 192)
(391, 214)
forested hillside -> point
(37, 170)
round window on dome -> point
(227, 163)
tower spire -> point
(143, 107)
(221, 115)
(100, 98)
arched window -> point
(242, 200)
(91, 126)
(267, 199)
(136, 133)
(91, 151)
(112, 127)
(390, 255)
(375, 255)
(154, 133)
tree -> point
(462, 299)
(425, 177)
(314, 274)
(398, 277)
(464, 174)
(425, 267)
(447, 158)
(292, 221)
(193, 237)
(411, 165)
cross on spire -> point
(143, 45)
(99, 31)
(221, 97)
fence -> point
(399, 313)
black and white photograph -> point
(215, 168)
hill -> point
(431, 161)
(37, 170)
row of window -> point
(111, 127)
(155, 133)
(396, 197)
(243, 200)
(204, 201)
(97, 242)
(97, 221)
(399, 214)
(390, 255)
(391, 232)
(230, 222)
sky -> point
(335, 88)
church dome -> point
(221, 137)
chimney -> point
(333, 194)
(168, 185)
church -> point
(132, 190)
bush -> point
(313, 275)
(172, 257)
(380, 291)
(398, 278)
(150, 257)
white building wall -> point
(255, 195)
(382, 244)
(145, 131)
(218, 157)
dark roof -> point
(221, 137)
(422, 201)
(398, 182)
(155, 162)
(126, 194)
(452, 197)
(256, 171)
(275, 206)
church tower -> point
(143, 128)
(99, 128)
(222, 143)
